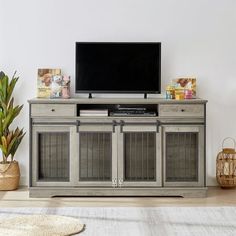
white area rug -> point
(148, 221)
(40, 225)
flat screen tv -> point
(108, 67)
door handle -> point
(122, 123)
(77, 126)
(120, 182)
(114, 182)
(158, 124)
(114, 124)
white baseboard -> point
(24, 181)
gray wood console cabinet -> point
(132, 155)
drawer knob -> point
(182, 110)
(53, 110)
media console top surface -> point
(76, 100)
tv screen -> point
(118, 67)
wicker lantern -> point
(226, 166)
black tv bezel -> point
(123, 91)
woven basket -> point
(226, 166)
(9, 176)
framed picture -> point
(44, 81)
(186, 83)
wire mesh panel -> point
(181, 157)
(95, 163)
(139, 156)
(53, 156)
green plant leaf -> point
(4, 151)
(11, 88)
(4, 141)
(2, 74)
(9, 140)
(17, 143)
(11, 145)
(4, 87)
(9, 137)
(10, 105)
(12, 114)
(1, 125)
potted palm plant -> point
(9, 138)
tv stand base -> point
(151, 192)
(143, 152)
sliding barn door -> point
(139, 154)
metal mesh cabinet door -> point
(51, 155)
(139, 157)
(96, 164)
(183, 156)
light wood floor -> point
(20, 198)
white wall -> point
(198, 39)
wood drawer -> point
(53, 110)
(181, 110)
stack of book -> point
(93, 112)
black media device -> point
(118, 67)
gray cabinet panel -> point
(183, 156)
(53, 110)
(139, 155)
(181, 110)
(96, 158)
(52, 155)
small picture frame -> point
(186, 83)
(44, 80)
